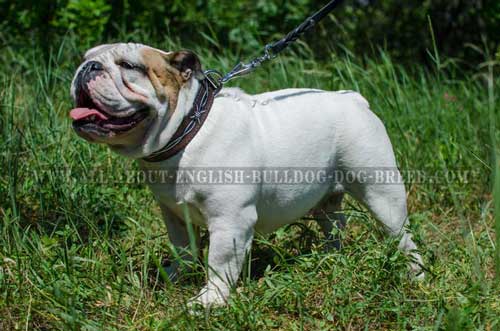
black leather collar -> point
(190, 125)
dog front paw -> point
(416, 272)
(418, 276)
(208, 298)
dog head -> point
(127, 96)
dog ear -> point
(187, 63)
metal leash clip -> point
(242, 69)
(214, 77)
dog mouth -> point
(88, 117)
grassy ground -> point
(80, 254)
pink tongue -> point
(79, 113)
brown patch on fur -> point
(166, 80)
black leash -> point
(271, 50)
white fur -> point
(296, 128)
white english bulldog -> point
(141, 102)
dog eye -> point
(129, 66)
(126, 65)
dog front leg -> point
(230, 240)
(179, 237)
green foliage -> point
(399, 27)
(89, 18)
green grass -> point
(77, 254)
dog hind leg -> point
(387, 202)
(329, 217)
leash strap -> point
(280, 45)
(271, 50)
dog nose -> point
(93, 66)
(89, 71)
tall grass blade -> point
(495, 164)
(496, 198)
